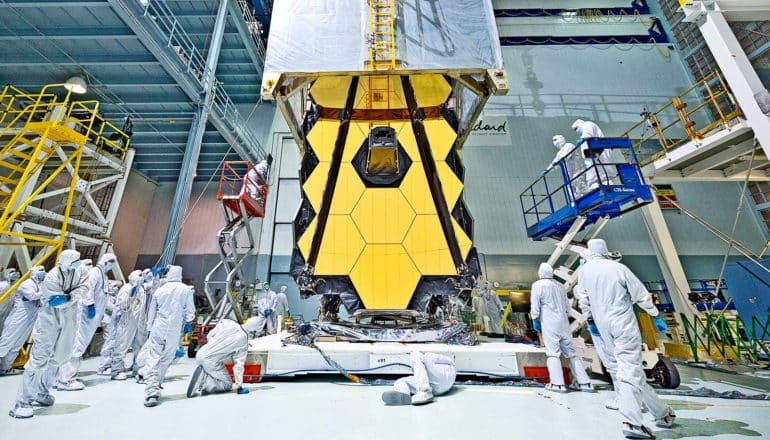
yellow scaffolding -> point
(691, 116)
(37, 129)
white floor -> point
(326, 408)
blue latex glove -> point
(179, 353)
(268, 313)
(91, 311)
(579, 142)
(536, 325)
(58, 300)
(543, 173)
(188, 327)
(660, 324)
(593, 329)
(288, 313)
(134, 290)
(242, 390)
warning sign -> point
(666, 197)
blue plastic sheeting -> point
(750, 289)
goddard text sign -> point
(490, 131)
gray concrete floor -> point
(330, 407)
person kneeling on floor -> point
(227, 340)
(434, 375)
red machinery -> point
(242, 189)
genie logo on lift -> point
(490, 131)
(622, 190)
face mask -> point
(14, 276)
(108, 267)
(40, 275)
(75, 264)
(557, 144)
(148, 278)
(579, 131)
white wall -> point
(133, 216)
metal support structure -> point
(733, 62)
(668, 259)
(60, 166)
(194, 142)
(567, 272)
(158, 29)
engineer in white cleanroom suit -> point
(613, 290)
(54, 334)
(130, 307)
(281, 309)
(100, 288)
(228, 340)
(574, 163)
(171, 309)
(550, 309)
(488, 308)
(149, 284)
(265, 310)
(434, 375)
(110, 324)
(588, 129)
(607, 358)
(10, 276)
(256, 177)
(18, 325)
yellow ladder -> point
(382, 40)
(30, 130)
(34, 127)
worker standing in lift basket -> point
(586, 130)
(256, 177)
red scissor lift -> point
(243, 193)
(242, 190)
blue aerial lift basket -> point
(581, 184)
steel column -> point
(194, 143)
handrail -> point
(255, 28)
(677, 122)
(177, 39)
(727, 336)
(567, 189)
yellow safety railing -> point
(106, 136)
(692, 116)
(33, 126)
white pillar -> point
(668, 259)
